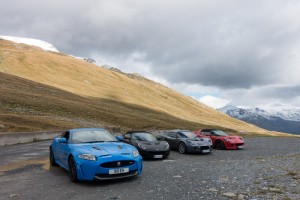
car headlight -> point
(192, 143)
(167, 146)
(241, 138)
(135, 153)
(87, 157)
(228, 140)
(141, 146)
(209, 140)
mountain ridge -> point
(91, 82)
(288, 122)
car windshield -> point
(144, 137)
(187, 134)
(92, 136)
(219, 133)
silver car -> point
(186, 141)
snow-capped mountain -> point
(283, 111)
(283, 119)
(29, 41)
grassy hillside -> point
(44, 90)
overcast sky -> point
(246, 52)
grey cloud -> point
(281, 92)
(223, 44)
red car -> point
(221, 140)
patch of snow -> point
(268, 112)
(284, 111)
(29, 41)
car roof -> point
(87, 129)
(209, 129)
(131, 132)
(176, 130)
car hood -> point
(158, 145)
(234, 138)
(149, 143)
(200, 141)
(105, 148)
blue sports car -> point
(94, 154)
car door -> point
(171, 138)
(213, 137)
(63, 150)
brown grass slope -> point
(45, 90)
(26, 105)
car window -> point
(90, 136)
(187, 134)
(66, 135)
(143, 136)
(172, 134)
(181, 135)
(205, 133)
(219, 133)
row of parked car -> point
(95, 154)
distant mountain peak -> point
(284, 120)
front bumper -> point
(153, 153)
(92, 170)
(234, 145)
(200, 149)
(102, 177)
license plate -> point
(157, 156)
(206, 151)
(240, 147)
(118, 171)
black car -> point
(147, 144)
(186, 141)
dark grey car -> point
(147, 144)
(186, 141)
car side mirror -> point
(160, 138)
(61, 140)
(128, 137)
(120, 137)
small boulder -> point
(212, 190)
(229, 194)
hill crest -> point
(91, 82)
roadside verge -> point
(25, 137)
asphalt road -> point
(268, 168)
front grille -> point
(239, 144)
(115, 164)
(202, 147)
(156, 152)
(205, 147)
(113, 176)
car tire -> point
(182, 148)
(219, 145)
(72, 170)
(52, 158)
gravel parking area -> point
(268, 168)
